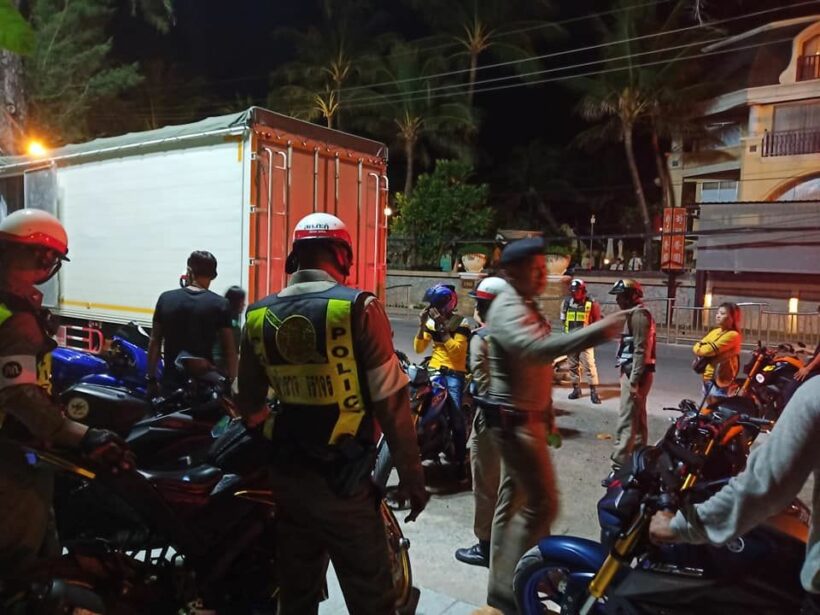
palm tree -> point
(331, 57)
(417, 122)
(633, 98)
(475, 28)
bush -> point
(559, 249)
(443, 206)
(474, 248)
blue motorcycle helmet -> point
(443, 297)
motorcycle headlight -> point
(760, 378)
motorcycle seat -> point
(202, 477)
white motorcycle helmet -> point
(489, 288)
(318, 227)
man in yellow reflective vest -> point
(579, 310)
(33, 246)
(326, 351)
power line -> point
(545, 56)
(579, 49)
(566, 77)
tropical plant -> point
(444, 206)
(472, 29)
(16, 34)
(628, 96)
(330, 57)
(406, 113)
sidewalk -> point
(431, 602)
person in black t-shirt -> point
(190, 319)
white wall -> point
(133, 221)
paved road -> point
(451, 587)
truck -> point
(136, 205)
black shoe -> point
(477, 555)
(593, 396)
(576, 393)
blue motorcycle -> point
(123, 365)
(626, 574)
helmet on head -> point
(318, 227)
(576, 285)
(443, 297)
(488, 288)
(34, 227)
(627, 285)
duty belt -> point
(502, 415)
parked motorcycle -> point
(769, 378)
(758, 572)
(184, 540)
(123, 365)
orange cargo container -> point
(136, 205)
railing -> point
(87, 339)
(791, 143)
(808, 67)
(689, 324)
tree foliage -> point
(444, 205)
(70, 73)
(16, 34)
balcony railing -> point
(808, 67)
(791, 143)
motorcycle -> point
(184, 540)
(770, 378)
(123, 365)
(625, 573)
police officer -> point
(326, 351)
(577, 311)
(636, 360)
(33, 246)
(484, 460)
(519, 410)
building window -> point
(796, 116)
(724, 191)
(808, 190)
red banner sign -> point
(674, 238)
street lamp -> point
(591, 235)
(388, 211)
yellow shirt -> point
(723, 347)
(452, 353)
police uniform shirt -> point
(381, 369)
(24, 379)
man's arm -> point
(641, 334)
(227, 342)
(478, 364)
(155, 350)
(517, 329)
(252, 384)
(21, 395)
(594, 312)
(776, 472)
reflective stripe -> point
(332, 382)
(5, 313)
(577, 317)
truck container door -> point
(269, 221)
(40, 192)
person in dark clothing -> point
(190, 319)
(235, 296)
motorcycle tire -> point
(398, 549)
(540, 586)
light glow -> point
(388, 211)
(794, 304)
(707, 300)
(36, 149)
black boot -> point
(477, 555)
(593, 395)
(576, 392)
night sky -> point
(228, 50)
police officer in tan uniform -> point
(33, 246)
(519, 409)
(326, 351)
(636, 360)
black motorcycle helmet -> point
(628, 292)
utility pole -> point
(591, 236)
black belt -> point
(506, 417)
(446, 371)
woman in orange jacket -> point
(720, 351)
